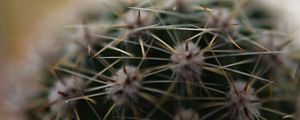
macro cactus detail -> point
(187, 60)
(127, 82)
(172, 60)
(243, 102)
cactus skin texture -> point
(172, 60)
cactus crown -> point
(160, 55)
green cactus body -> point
(171, 59)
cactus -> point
(171, 59)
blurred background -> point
(27, 36)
